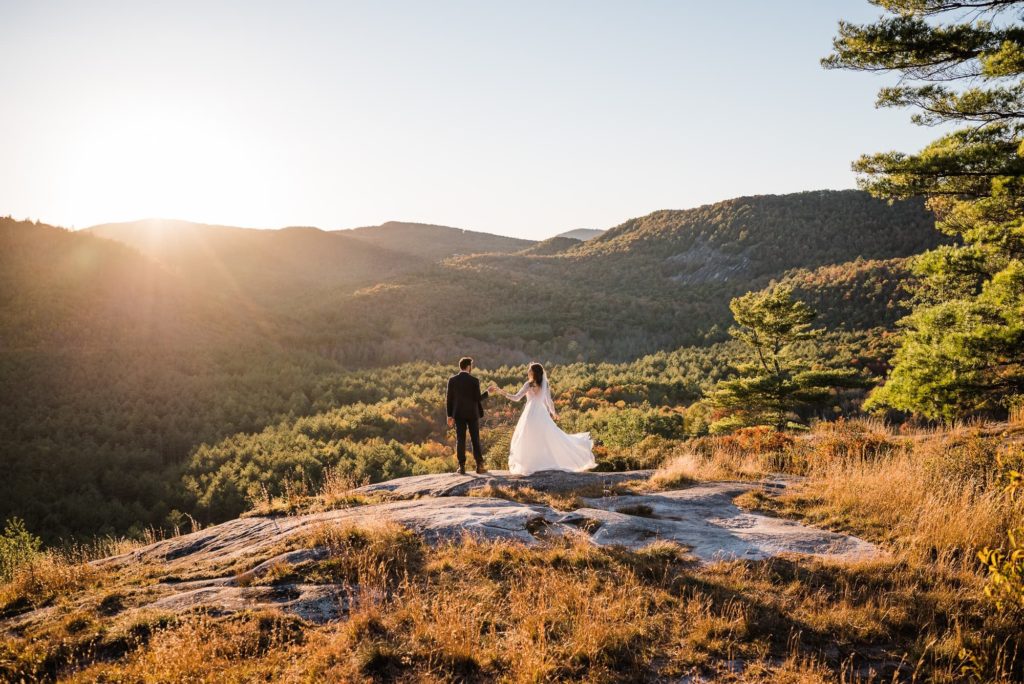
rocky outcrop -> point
(453, 484)
(705, 519)
(223, 568)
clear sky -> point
(521, 118)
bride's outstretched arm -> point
(518, 395)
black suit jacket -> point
(465, 400)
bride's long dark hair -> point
(536, 374)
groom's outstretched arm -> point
(480, 396)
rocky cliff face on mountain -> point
(703, 263)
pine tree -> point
(959, 62)
(772, 389)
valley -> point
(133, 352)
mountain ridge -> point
(658, 281)
(266, 267)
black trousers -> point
(473, 425)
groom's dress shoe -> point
(462, 470)
(480, 470)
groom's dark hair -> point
(465, 362)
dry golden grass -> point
(56, 573)
(749, 454)
(199, 648)
(685, 469)
(690, 466)
(378, 556)
(931, 492)
(43, 579)
(337, 487)
(897, 501)
(1016, 417)
(337, 491)
(566, 611)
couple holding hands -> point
(537, 442)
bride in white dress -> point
(538, 443)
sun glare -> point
(159, 161)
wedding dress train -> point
(539, 444)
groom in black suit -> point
(465, 409)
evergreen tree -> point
(959, 62)
(776, 386)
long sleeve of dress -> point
(547, 399)
(520, 394)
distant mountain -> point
(555, 245)
(655, 282)
(274, 268)
(582, 234)
(406, 291)
(266, 267)
(434, 242)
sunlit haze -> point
(524, 119)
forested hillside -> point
(64, 290)
(112, 368)
(775, 232)
(855, 295)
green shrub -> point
(18, 546)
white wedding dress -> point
(539, 444)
